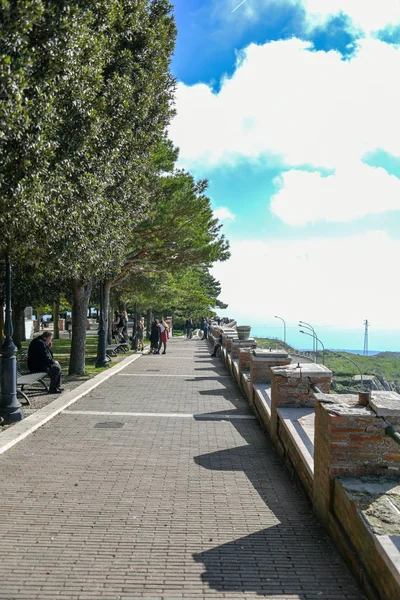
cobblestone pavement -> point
(160, 484)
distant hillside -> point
(394, 355)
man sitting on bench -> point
(40, 358)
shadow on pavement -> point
(293, 556)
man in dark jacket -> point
(40, 359)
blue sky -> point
(290, 111)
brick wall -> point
(244, 359)
(250, 344)
(292, 385)
(260, 365)
(349, 440)
(295, 463)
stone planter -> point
(243, 332)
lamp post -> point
(311, 328)
(10, 407)
(314, 334)
(284, 327)
(354, 363)
(101, 359)
(316, 340)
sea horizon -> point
(338, 339)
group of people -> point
(190, 326)
(159, 336)
(41, 359)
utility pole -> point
(366, 325)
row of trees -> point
(89, 188)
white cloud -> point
(306, 108)
(340, 281)
(353, 191)
(224, 214)
(366, 14)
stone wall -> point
(293, 385)
(262, 361)
(244, 359)
(237, 345)
(349, 442)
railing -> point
(392, 433)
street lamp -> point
(311, 328)
(317, 340)
(10, 407)
(284, 327)
(354, 363)
(101, 359)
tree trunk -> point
(18, 317)
(106, 308)
(1, 320)
(148, 322)
(23, 331)
(56, 315)
(38, 317)
(80, 303)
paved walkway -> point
(160, 484)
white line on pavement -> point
(177, 357)
(170, 375)
(144, 414)
(21, 430)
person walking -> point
(40, 359)
(140, 334)
(163, 336)
(122, 327)
(189, 328)
(205, 330)
(202, 324)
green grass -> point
(370, 365)
(270, 343)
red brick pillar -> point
(227, 340)
(350, 440)
(244, 360)
(238, 345)
(291, 385)
(261, 362)
(244, 371)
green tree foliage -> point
(87, 93)
(178, 231)
(191, 291)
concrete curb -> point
(21, 430)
